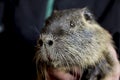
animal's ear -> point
(55, 11)
(87, 14)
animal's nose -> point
(40, 42)
(50, 42)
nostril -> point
(50, 42)
(40, 42)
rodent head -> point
(71, 38)
(68, 21)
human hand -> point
(56, 74)
(115, 75)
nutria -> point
(70, 38)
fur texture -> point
(73, 38)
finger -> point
(116, 72)
(60, 75)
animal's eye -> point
(72, 24)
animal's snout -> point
(49, 42)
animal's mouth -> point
(76, 72)
(54, 71)
(55, 67)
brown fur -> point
(73, 38)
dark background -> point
(22, 20)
